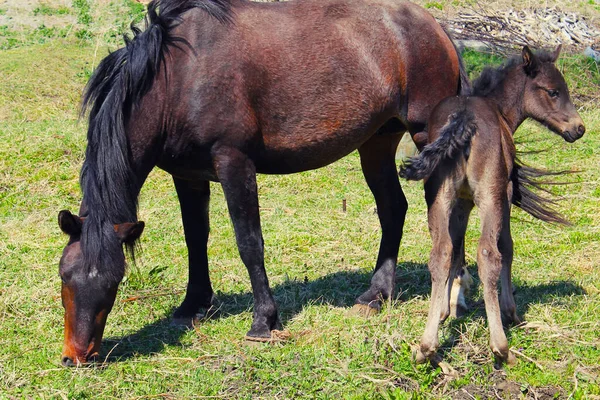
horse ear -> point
(556, 53)
(129, 232)
(69, 223)
(530, 62)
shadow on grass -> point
(339, 289)
(526, 295)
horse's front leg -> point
(194, 199)
(377, 157)
(237, 175)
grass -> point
(98, 23)
(319, 258)
(45, 9)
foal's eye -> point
(553, 93)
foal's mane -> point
(492, 77)
(122, 78)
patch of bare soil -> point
(19, 14)
(501, 388)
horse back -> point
(300, 84)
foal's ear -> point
(556, 53)
(530, 61)
(69, 223)
(129, 232)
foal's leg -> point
(459, 280)
(193, 199)
(439, 197)
(237, 175)
(507, 299)
(377, 157)
(489, 261)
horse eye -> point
(553, 93)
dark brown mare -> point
(471, 161)
(220, 90)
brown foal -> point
(470, 160)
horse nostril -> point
(581, 130)
(67, 362)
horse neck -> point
(508, 96)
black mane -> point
(491, 77)
(121, 79)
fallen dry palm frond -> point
(510, 28)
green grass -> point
(45, 9)
(99, 23)
(319, 258)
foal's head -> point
(546, 96)
(530, 86)
(88, 294)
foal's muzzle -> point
(574, 134)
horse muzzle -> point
(74, 357)
(574, 134)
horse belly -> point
(309, 150)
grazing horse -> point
(471, 161)
(220, 90)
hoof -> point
(501, 360)
(512, 360)
(421, 357)
(275, 337)
(363, 310)
(418, 355)
(189, 321)
(263, 331)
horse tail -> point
(526, 181)
(454, 139)
(119, 82)
(465, 87)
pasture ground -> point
(319, 258)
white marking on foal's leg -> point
(460, 287)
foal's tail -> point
(454, 139)
(526, 181)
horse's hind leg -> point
(193, 199)
(461, 280)
(493, 214)
(439, 198)
(507, 299)
(237, 175)
(377, 157)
